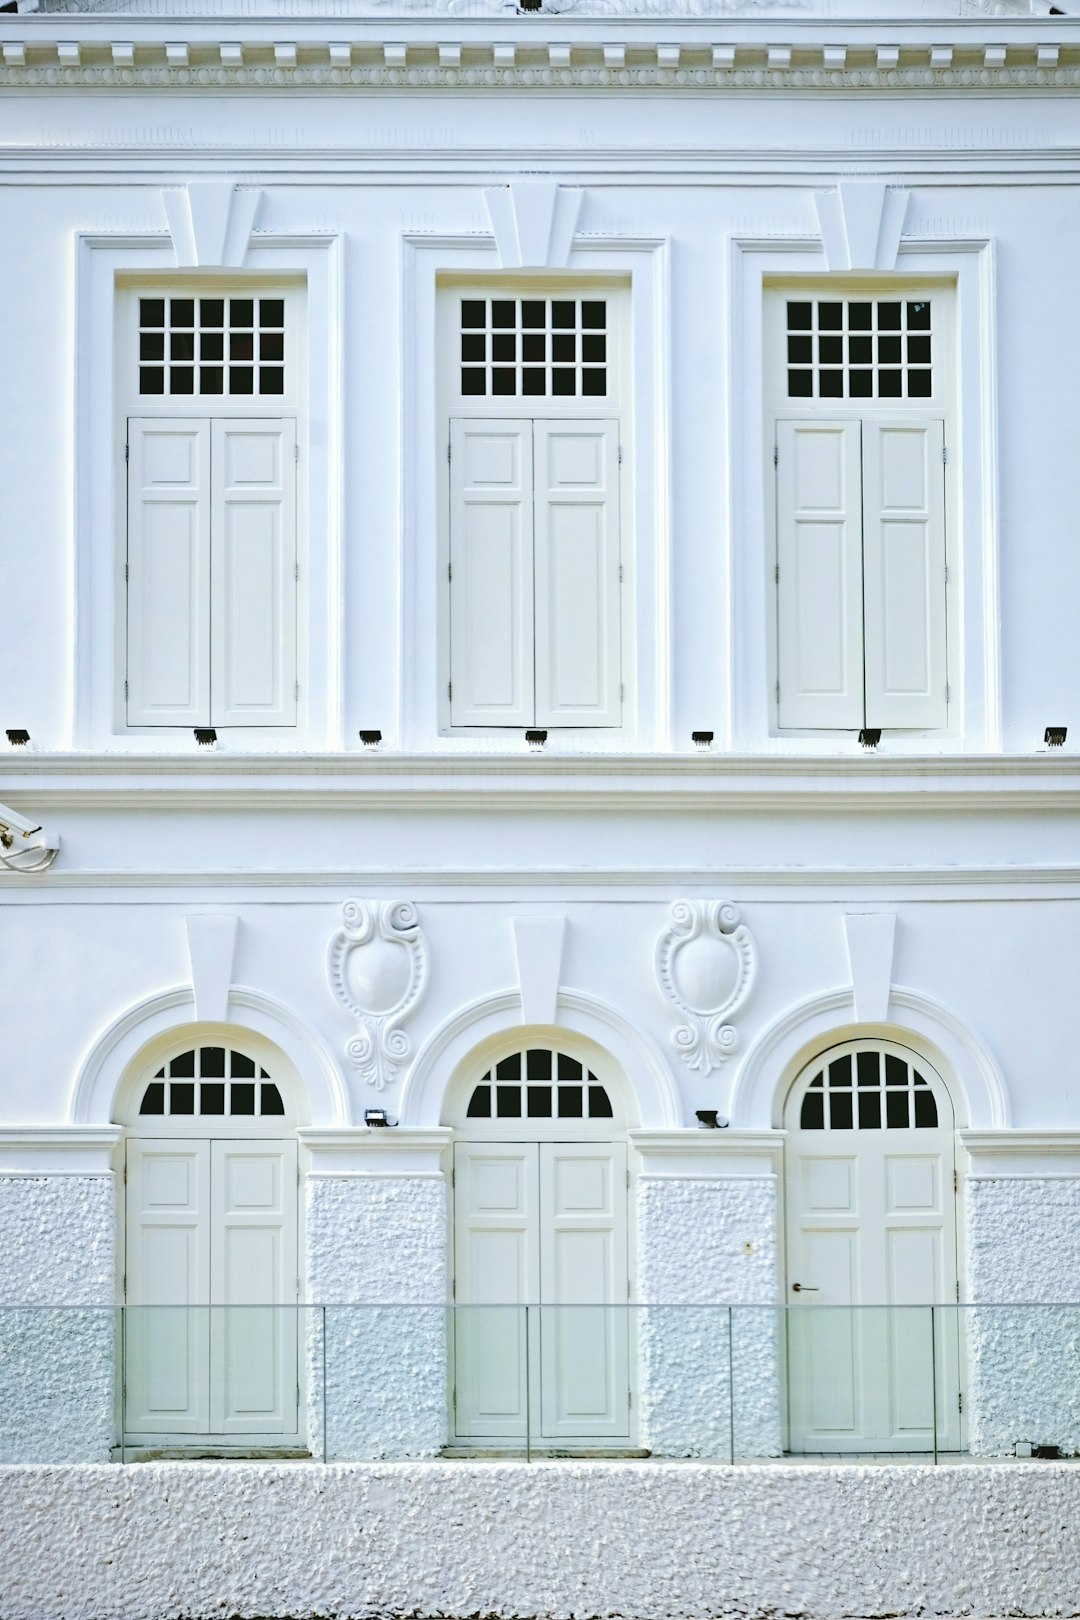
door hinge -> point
(778, 691)
(453, 1178)
(123, 1285)
(125, 694)
(622, 692)
(296, 690)
(449, 570)
(946, 691)
(127, 452)
(958, 1292)
(296, 452)
(450, 689)
(620, 573)
(960, 1400)
(776, 455)
(296, 570)
(956, 1186)
(629, 1397)
(448, 449)
(620, 455)
(944, 454)
(776, 574)
(945, 573)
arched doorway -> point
(211, 1341)
(541, 1254)
(873, 1346)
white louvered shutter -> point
(253, 644)
(819, 551)
(904, 572)
(577, 574)
(491, 573)
(168, 565)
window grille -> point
(869, 1091)
(212, 1080)
(859, 348)
(215, 346)
(534, 348)
(539, 1084)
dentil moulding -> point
(705, 965)
(378, 967)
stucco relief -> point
(378, 968)
(705, 966)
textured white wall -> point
(556, 1539)
(57, 1379)
(377, 1241)
(1023, 1360)
(704, 1244)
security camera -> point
(25, 846)
(11, 822)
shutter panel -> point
(577, 574)
(904, 570)
(253, 652)
(491, 583)
(819, 551)
(168, 604)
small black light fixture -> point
(869, 736)
(206, 736)
(376, 1118)
(702, 739)
(18, 738)
(371, 739)
(530, 5)
(536, 739)
(710, 1119)
(1053, 737)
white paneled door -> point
(211, 1340)
(543, 1226)
(534, 573)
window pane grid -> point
(212, 1080)
(874, 1091)
(226, 347)
(859, 348)
(539, 1084)
(518, 348)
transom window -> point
(534, 347)
(539, 1084)
(213, 346)
(212, 1080)
(869, 1091)
(859, 348)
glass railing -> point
(724, 1383)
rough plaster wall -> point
(1023, 1360)
(559, 1539)
(377, 1258)
(57, 1381)
(701, 1242)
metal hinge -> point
(123, 1284)
(127, 452)
(127, 572)
(944, 453)
(945, 573)
(629, 1397)
(776, 455)
(776, 574)
(448, 450)
(620, 455)
(453, 1178)
(296, 452)
(946, 691)
(956, 1188)
(778, 691)
(125, 694)
(296, 689)
(960, 1400)
(449, 689)
(622, 692)
(296, 570)
(958, 1292)
(620, 573)
(449, 570)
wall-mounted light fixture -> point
(711, 1120)
(206, 736)
(870, 736)
(1053, 737)
(702, 739)
(18, 738)
(376, 1118)
(371, 739)
(536, 739)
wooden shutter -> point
(491, 573)
(168, 567)
(253, 652)
(819, 592)
(904, 572)
(577, 574)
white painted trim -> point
(697, 1154)
(1028, 1155)
(388, 1152)
(57, 1150)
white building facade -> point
(538, 624)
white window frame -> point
(746, 588)
(106, 266)
(632, 272)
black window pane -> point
(896, 1110)
(151, 312)
(570, 1070)
(151, 379)
(152, 346)
(918, 351)
(889, 384)
(594, 381)
(182, 379)
(594, 349)
(534, 347)
(508, 1102)
(272, 311)
(474, 312)
(212, 312)
(562, 380)
(538, 1064)
(212, 1062)
(919, 385)
(241, 1098)
(860, 317)
(831, 351)
(812, 1117)
(798, 317)
(503, 312)
(241, 312)
(212, 346)
(888, 351)
(918, 317)
(182, 346)
(830, 317)
(831, 385)
(533, 313)
(869, 1110)
(563, 315)
(474, 381)
(212, 1098)
(800, 385)
(504, 347)
(272, 346)
(925, 1111)
(480, 1103)
(241, 380)
(509, 1068)
(564, 347)
(571, 1102)
(270, 1099)
(861, 351)
(182, 312)
(182, 1097)
(211, 379)
(271, 380)
(840, 1115)
(182, 1064)
(800, 350)
(599, 1103)
(594, 315)
(888, 317)
(473, 346)
(896, 1070)
(503, 380)
(241, 345)
(534, 380)
(243, 1067)
(840, 1071)
(539, 1102)
(868, 1065)
(861, 384)
(153, 1099)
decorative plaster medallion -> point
(378, 970)
(705, 965)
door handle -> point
(803, 1288)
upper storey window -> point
(534, 348)
(859, 348)
(211, 347)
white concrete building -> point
(538, 604)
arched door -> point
(541, 1342)
(871, 1250)
(210, 1290)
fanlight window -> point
(869, 1091)
(859, 348)
(539, 1084)
(534, 347)
(212, 1080)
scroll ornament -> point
(378, 970)
(705, 965)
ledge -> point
(696, 1153)
(58, 1150)
(391, 1151)
(1030, 1155)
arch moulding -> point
(458, 1042)
(122, 1049)
(802, 1033)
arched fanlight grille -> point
(210, 1081)
(539, 1084)
(869, 1091)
